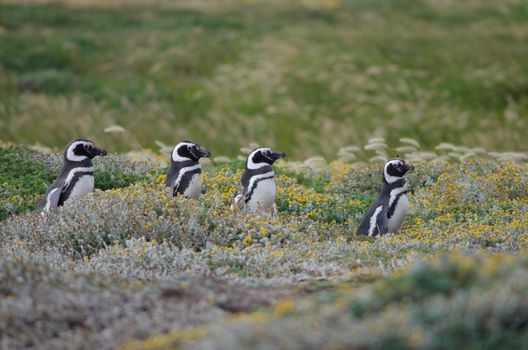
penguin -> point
(76, 176)
(258, 180)
(184, 173)
(389, 210)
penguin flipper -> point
(238, 199)
(171, 176)
(244, 196)
(172, 180)
(382, 225)
(241, 195)
(174, 187)
(375, 222)
(52, 197)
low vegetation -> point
(137, 263)
(452, 302)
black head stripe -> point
(79, 150)
(85, 149)
(194, 150)
(259, 157)
(393, 170)
(397, 168)
(270, 160)
(90, 151)
(185, 152)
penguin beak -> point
(407, 167)
(99, 152)
(204, 153)
(277, 155)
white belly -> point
(263, 196)
(195, 186)
(396, 220)
(84, 185)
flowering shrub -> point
(478, 203)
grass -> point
(306, 77)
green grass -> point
(304, 79)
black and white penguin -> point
(258, 180)
(389, 210)
(76, 176)
(184, 173)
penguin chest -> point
(397, 213)
(83, 185)
(263, 195)
(194, 187)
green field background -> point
(306, 77)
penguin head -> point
(261, 157)
(188, 151)
(81, 149)
(395, 169)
